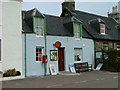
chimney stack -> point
(70, 4)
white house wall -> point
(69, 43)
(0, 31)
(11, 36)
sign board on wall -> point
(53, 69)
(53, 55)
(98, 55)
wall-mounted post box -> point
(45, 59)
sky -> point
(55, 8)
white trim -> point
(12, 78)
(102, 28)
(38, 61)
(103, 33)
(40, 36)
(77, 38)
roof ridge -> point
(90, 13)
(53, 16)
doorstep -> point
(11, 78)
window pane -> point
(77, 54)
(102, 28)
(39, 53)
(36, 49)
(36, 58)
(77, 30)
(118, 47)
(39, 25)
(40, 50)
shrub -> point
(18, 73)
(112, 63)
(11, 72)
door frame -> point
(63, 48)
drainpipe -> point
(25, 55)
(45, 64)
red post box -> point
(45, 59)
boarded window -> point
(39, 26)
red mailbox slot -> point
(44, 60)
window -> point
(39, 26)
(102, 28)
(77, 54)
(39, 53)
(105, 46)
(118, 47)
(77, 30)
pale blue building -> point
(41, 32)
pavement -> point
(90, 79)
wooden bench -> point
(83, 66)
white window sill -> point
(102, 33)
(39, 36)
(78, 38)
(38, 61)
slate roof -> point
(62, 26)
(55, 25)
(113, 28)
